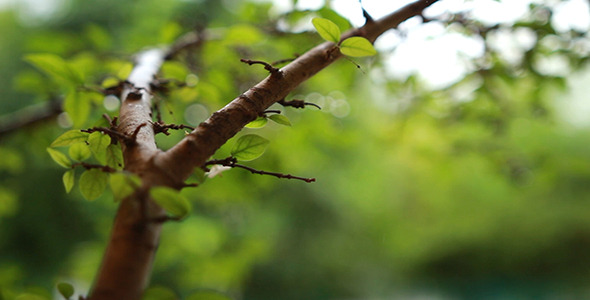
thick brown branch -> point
(127, 263)
(200, 144)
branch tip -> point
(267, 66)
(296, 103)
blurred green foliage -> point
(418, 192)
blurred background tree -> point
(454, 165)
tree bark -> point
(127, 263)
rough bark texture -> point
(127, 263)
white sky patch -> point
(572, 14)
(32, 12)
(491, 12)
(574, 108)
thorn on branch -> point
(296, 103)
(271, 111)
(160, 127)
(136, 132)
(366, 15)
(232, 162)
(273, 71)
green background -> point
(417, 193)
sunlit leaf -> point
(357, 46)
(68, 180)
(12, 160)
(258, 123)
(171, 200)
(114, 156)
(327, 29)
(55, 67)
(280, 119)
(79, 151)
(123, 184)
(78, 107)
(92, 183)
(65, 289)
(159, 293)
(29, 296)
(249, 147)
(98, 36)
(208, 295)
(99, 142)
(60, 158)
(70, 137)
(175, 70)
(124, 70)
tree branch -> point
(194, 150)
(127, 263)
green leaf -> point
(171, 200)
(208, 295)
(123, 184)
(249, 147)
(280, 119)
(79, 151)
(258, 123)
(357, 46)
(68, 180)
(65, 289)
(99, 143)
(327, 29)
(159, 293)
(114, 156)
(92, 183)
(60, 158)
(70, 137)
(55, 67)
(78, 107)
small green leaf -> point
(79, 151)
(55, 67)
(114, 156)
(258, 123)
(70, 137)
(99, 143)
(60, 158)
(280, 119)
(171, 200)
(327, 29)
(68, 180)
(78, 107)
(65, 289)
(249, 147)
(357, 46)
(92, 183)
(123, 184)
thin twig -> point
(296, 103)
(267, 66)
(160, 127)
(232, 162)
